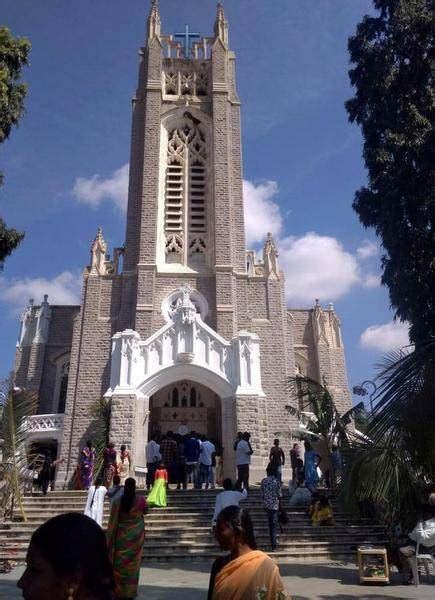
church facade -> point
(182, 328)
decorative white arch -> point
(186, 347)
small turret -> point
(154, 22)
(221, 25)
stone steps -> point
(182, 530)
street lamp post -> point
(361, 390)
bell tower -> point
(185, 206)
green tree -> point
(394, 105)
(320, 414)
(18, 405)
(394, 465)
(14, 54)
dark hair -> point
(227, 484)
(116, 480)
(170, 434)
(89, 444)
(99, 481)
(73, 542)
(276, 442)
(315, 497)
(240, 522)
(122, 447)
(271, 470)
(128, 495)
(324, 500)
(308, 446)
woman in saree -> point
(123, 464)
(87, 466)
(125, 538)
(245, 572)
(157, 496)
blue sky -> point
(65, 167)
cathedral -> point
(182, 328)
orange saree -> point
(252, 576)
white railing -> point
(44, 424)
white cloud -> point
(96, 190)
(367, 249)
(63, 289)
(262, 214)
(386, 337)
(371, 280)
(316, 266)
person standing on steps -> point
(312, 461)
(208, 450)
(243, 460)
(46, 472)
(237, 440)
(294, 457)
(157, 496)
(116, 490)
(109, 464)
(277, 459)
(123, 463)
(95, 501)
(192, 450)
(169, 452)
(87, 461)
(153, 456)
(271, 495)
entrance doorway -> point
(186, 406)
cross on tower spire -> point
(187, 37)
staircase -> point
(182, 530)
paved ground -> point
(304, 582)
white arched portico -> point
(185, 348)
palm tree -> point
(19, 404)
(321, 418)
(394, 466)
(100, 411)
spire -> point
(153, 22)
(221, 25)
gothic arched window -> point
(193, 397)
(185, 192)
(175, 397)
(61, 384)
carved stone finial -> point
(154, 22)
(270, 256)
(221, 25)
(98, 254)
(45, 298)
(31, 301)
(317, 303)
(331, 306)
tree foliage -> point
(394, 105)
(19, 405)
(14, 54)
(394, 466)
(320, 414)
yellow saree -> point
(252, 576)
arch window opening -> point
(186, 191)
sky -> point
(66, 165)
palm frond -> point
(395, 464)
(19, 405)
(100, 411)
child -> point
(315, 497)
(323, 514)
(157, 496)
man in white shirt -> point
(424, 534)
(205, 461)
(229, 497)
(153, 456)
(243, 460)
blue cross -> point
(187, 36)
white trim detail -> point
(185, 348)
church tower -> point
(182, 329)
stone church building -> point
(182, 328)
